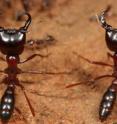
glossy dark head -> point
(12, 40)
(111, 33)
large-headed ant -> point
(12, 42)
(109, 96)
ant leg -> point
(48, 73)
(90, 81)
(94, 62)
(29, 82)
(27, 99)
(33, 56)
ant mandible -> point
(109, 96)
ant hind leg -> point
(27, 99)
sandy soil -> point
(68, 21)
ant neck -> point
(12, 60)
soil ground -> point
(69, 22)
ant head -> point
(111, 33)
(12, 40)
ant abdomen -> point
(107, 103)
(7, 103)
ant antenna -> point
(102, 20)
(28, 22)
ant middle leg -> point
(90, 82)
(47, 72)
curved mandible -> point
(27, 23)
(102, 20)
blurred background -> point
(72, 29)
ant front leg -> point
(94, 62)
(108, 101)
(33, 56)
(92, 81)
(46, 72)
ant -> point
(109, 97)
(12, 43)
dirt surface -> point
(68, 21)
